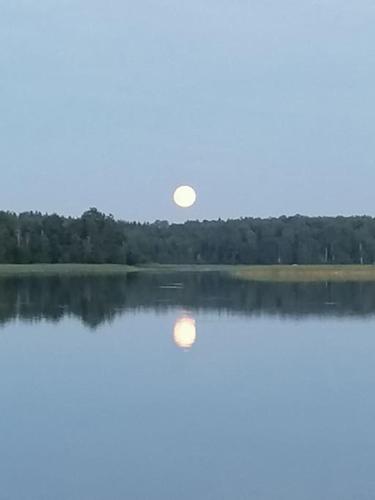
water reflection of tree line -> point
(99, 299)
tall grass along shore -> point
(311, 273)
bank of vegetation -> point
(96, 238)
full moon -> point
(185, 196)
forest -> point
(33, 237)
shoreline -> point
(278, 273)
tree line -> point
(33, 237)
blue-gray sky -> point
(266, 107)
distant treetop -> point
(95, 237)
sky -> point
(265, 107)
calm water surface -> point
(189, 386)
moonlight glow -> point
(185, 196)
(185, 332)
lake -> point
(186, 386)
